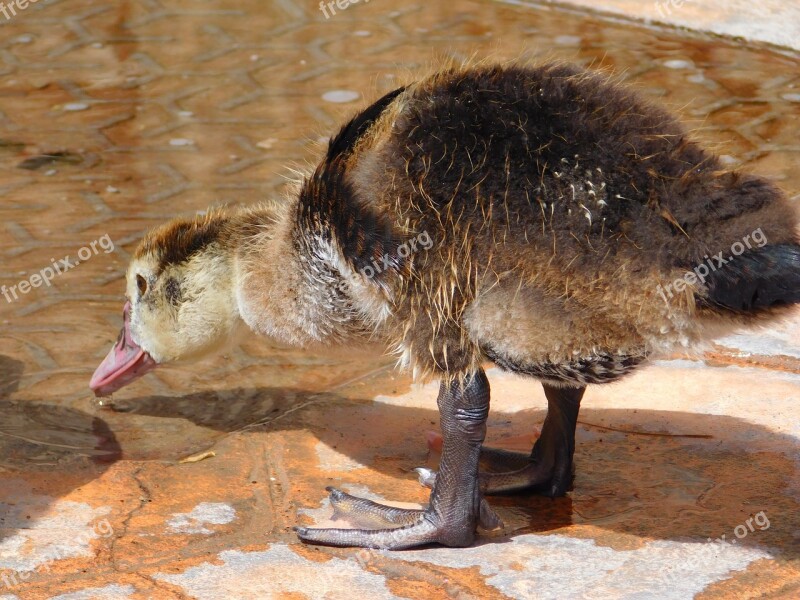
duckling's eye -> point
(141, 283)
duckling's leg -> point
(549, 465)
(454, 511)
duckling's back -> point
(566, 215)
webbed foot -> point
(456, 507)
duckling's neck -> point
(290, 285)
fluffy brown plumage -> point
(559, 203)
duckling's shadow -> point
(46, 451)
(671, 487)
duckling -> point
(544, 218)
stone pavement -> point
(772, 22)
(117, 115)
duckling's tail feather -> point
(757, 280)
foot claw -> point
(488, 519)
(427, 477)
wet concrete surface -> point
(116, 116)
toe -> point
(499, 460)
(562, 478)
(427, 477)
(421, 533)
(361, 512)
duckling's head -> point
(181, 301)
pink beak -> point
(125, 363)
